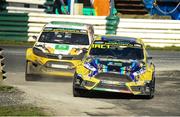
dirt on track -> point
(58, 97)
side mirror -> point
(85, 50)
(34, 37)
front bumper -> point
(136, 88)
(54, 68)
(42, 65)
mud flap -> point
(29, 73)
(150, 89)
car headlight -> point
(135, 76)
(39, 52)
(93, 70)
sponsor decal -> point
(62, 47)
(65, 30)
(114, 44)
(133, 70)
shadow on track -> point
(111, 95)
(48, 78)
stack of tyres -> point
(2, 72)
(112, 24)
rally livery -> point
(59, 48)
(116, 64)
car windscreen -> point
(135, 53)
(64, 38)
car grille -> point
(52, 56)
(113, 77)
(112, 86)
(49, 63)
(64, 57)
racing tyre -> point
(151, 86)
(76, 91)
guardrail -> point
(2, 72)
(26, 6)
(153, 32)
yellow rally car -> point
(116, 64)
(59, 48)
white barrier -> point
(27, 6)
(153, 32)
(39, 2)
(45, 18)
(24, 10)
(37, 21)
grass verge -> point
(20, 110)
(171, 48)
(8, 89)
(8, 95)
(16, 43)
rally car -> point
(59, 48)
(116, 64)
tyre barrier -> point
(2, 65)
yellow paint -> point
(30, 56)
(103, 46)
(75, 51)
(143, 78)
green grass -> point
(7, 89)
(21, 110)
(171, 48)
(16, 43)
(18, 109)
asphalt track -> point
(58, 95)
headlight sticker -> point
(92, 66)
(134, 70)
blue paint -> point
(111, 38)
(69, 5)
(132, 77)
(163, 9)
(148, 3)
(93, 66)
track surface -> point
(58, 95)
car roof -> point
(119, 38)
(71, 25)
